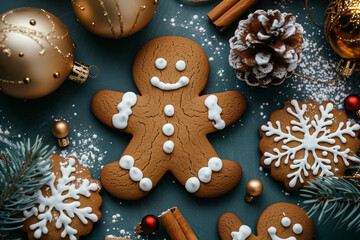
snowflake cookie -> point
(307, 140)
(280, 221)
(67, 205)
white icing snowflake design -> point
(64, 189)
(316, 139)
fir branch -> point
(24, 168)
(334, 199)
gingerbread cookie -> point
(67, 205)
(280, 221)
(169, 121)
(307, 140)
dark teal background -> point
(239, 142)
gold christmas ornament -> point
(36, 54)
(60, 130)
(114, 18)
(342, 30)
(254, 188)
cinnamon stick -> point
(224, 14)
(176, 225)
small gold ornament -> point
(114, 18)
(32, 22)
(342, 30)
(34, 44)
(60, 130)
(254, 188)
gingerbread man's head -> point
(280, 221)
(171, 65)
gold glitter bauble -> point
(114, 18)
(342, 28)
(34, 45)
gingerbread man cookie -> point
(169, 121)
(306, 140)
(280, 221)
(67, 205)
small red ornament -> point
(149, 224)
(352, 103)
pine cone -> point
(266, 48)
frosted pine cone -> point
(266, 48)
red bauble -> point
(150, 224)
(352, 103)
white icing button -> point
(126, 162)
(145, 184)
(135, 174)
(204, 174)
(160, 63)
(180, 65)
(168, 146)
(192, 185)
(120, 120)
(286, 222)
(169, 110)
(215, 164)
(297, 228)
(168, 129)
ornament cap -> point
(346, 67)
(358, 113)
(79, 73)
(60, 130)
(149, 224)
(63, 142)
(138, 228)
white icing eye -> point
(126, 162)
(297, 228)
(215, 164)
(160, 63)
(324, 153)
(184, 80)
(286, 222)
(180, 65)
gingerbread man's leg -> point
(137, 172)
(203, 172)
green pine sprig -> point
(24, 168)
(334, 199)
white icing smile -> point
(161, 64)
(272, 233)
(156, 82)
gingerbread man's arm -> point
(231, 104)
(104, 106)
(229, 223)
